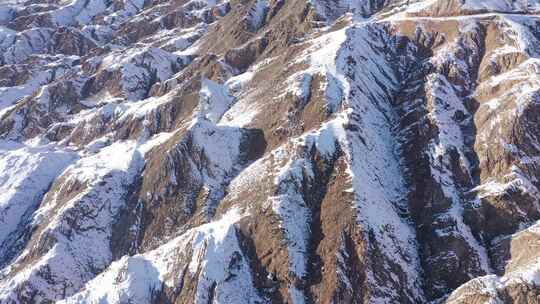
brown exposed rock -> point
(431, 66)
(68, 41)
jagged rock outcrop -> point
(269, 151)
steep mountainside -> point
(269, 151)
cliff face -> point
(269, 151)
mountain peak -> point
(269, 151)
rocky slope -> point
(269, 151)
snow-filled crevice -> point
(363, 131)
(375, 167)
(332, 10)
(194, 174)
(437, 137)
(300, 188)
(79, 209)
(33, 170)
(207, 258)
(257, 14)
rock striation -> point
(269, 151)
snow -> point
(292, 209)
(10, 95)
(78, 11)
(420, 6)
(220, 149)
(258, 14)
(138, 66)
(7, 37)
(288, 202)
(7, 13)
(26, 43)
(321, 57)
(181, 40)
(376, 175)
(80, 194)
(99, 34)
(154, 141)
(303, 91)
(139, 109)
(502, 5)
(74, 221)
(220, 144)
(129, 279)
(31, 172)
(332, 10)
(472, 7)
(444, 103)
(509, 105)
(492, 286)
(375, 170)
(38, 76)
(216, 258)
(292, 171)
(82, 12)
(243, 109)
(334, 93)
(214, 101)
(297, 296)
(199, 8)
(522, 30)
(515, 180)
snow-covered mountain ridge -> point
(269, 151)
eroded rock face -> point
(269, 151)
